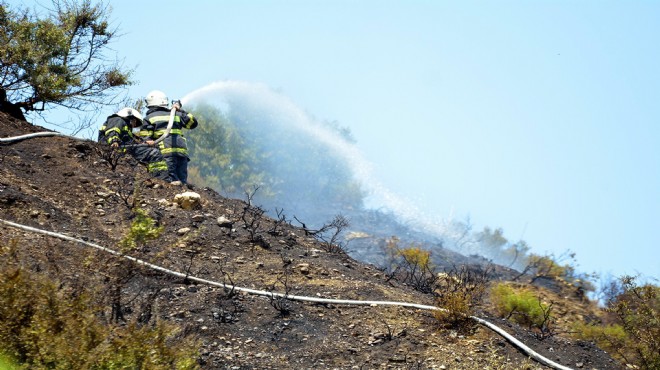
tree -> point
(58, 60)
(220, 157)
(501, 250)
(631, 330)
(637, 311)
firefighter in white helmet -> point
(173, 148)
(119, 131)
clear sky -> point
(539, 117)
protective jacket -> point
(155, 125)
(117, 129)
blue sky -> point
(539, 117)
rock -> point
(198, 217)
(401, 359)
(183, 231)
(188, 200)
(178, 314)
(224, 222)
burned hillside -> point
(67, 186)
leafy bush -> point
(633, 335)
(410, 265)
(142, 230)
(610, 337)
(45, 325)
(458, 292)
(520, 305)
(416, 257)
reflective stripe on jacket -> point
(155, 125)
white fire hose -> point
(532, 354)
(6, 140)
(169, 127)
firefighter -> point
(173, 147)
(119, 130)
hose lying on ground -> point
(7, 140)
(532, 354)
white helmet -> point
(129, 112)
(156, 98)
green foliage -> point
(46, 325)
(500, 248)
(636, 311)
(143, 229)
(458, 293)
(564, 275)
(58, 59)
(220, 157)
(6, 364)
(416, 257)
(611, 338)
(131, 344)
(455, 310)
(412, 256)
(411, 265)
(545, 266)
(520, 305)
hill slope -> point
(63, 185)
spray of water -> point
(286, 112)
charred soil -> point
(66, 186)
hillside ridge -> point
(65, 186)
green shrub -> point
(455, 310)
(520, 305)
(609, 337)
(633, 336)
(6, 364)
(142, 230)
(45, 325)
(458, 293)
